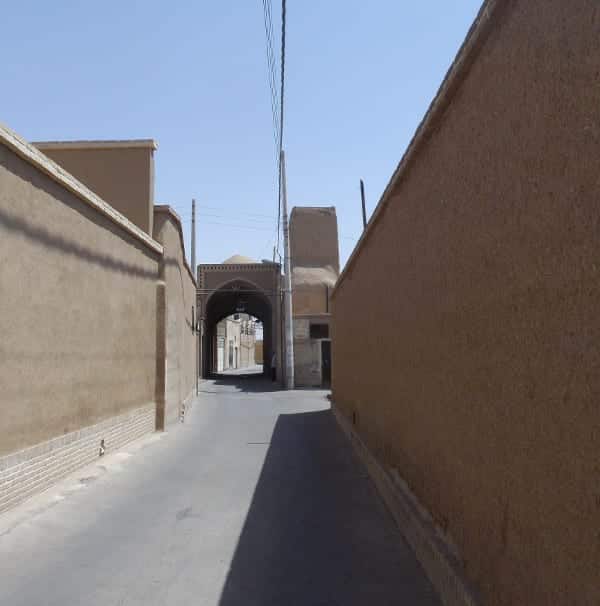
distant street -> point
(248, 370)
(256, 500)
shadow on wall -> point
(57, 241)
(44, 237)
(316, 532)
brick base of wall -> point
(30, 471)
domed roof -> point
(239, 260)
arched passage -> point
(236, 296)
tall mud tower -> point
(315, 265)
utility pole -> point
(287, 283)
(194, 237)
(198, 323)
(364, 208)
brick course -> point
(30, 471)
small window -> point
(319, 331)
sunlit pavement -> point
(256, 500)
(247, 370)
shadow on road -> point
(316, 533)
(252, 382)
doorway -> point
(325, 363)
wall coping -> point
(455, 75)
(166, 209)
(36, 158)
(312, 210)
(97, 144)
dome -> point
(239, 260)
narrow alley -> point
(257, 499)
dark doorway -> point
(326, 363)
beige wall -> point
(77, 310)
(247, 342)
(231, 330)
(466, 327)
(258, 352)
(314, 237)
(232, 334)
(120, 172)
(311, 298)
(181, 340)
(315, 268)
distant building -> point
(315, 268)
(249, 289)
(235, 347)
(258, 352)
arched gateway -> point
(239, 285)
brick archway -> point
(222, 288)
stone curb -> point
(437, 556)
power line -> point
(234, 225)
(281, 106)
(237, 213)
(268, 21)
(238, 216)
(276, 107)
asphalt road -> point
(256, 500)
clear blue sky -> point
(192, 75)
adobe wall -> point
(78, 307)
(311, 298)
(307, 351)
(247, 350)
(181, 340)
(258, 352)
(120, 172)
(466, 324)
(314, 237)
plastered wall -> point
(77, 311)
(466, 327)
(123, 174)
(181, 340)
(314, 237)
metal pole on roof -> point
(194, 268)
(364, 208)
(287, 283)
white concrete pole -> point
(193, 263)
(287, 284)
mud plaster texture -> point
(77, 311)
(485, 261)
(181, 347)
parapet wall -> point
(78, 298)
(181, 339)
(95, 323)
(465, 325)
(120, 172)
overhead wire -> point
(281, 107)
(277, 119)
(268, 22)
(276, 104)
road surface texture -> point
(256, 500)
